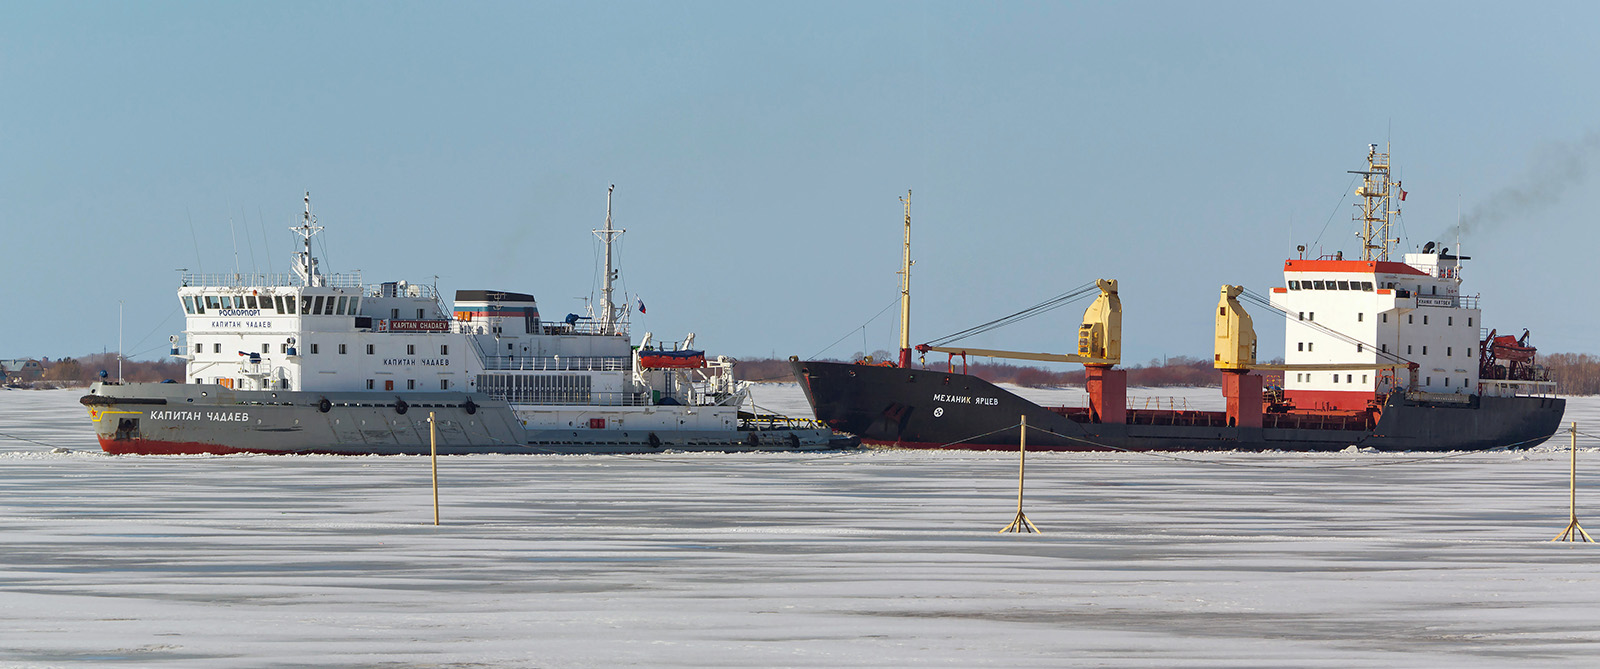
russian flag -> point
(641, 305)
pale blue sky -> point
(759, 150)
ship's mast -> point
(1376, 205)
(305, 266)
(905, 289)
(608, 312)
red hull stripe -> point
(153, 447)
(1345, 400)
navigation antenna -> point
(1377, 204)
(905, 290)
(610, 314)
(305, 265)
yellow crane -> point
(1099, 337)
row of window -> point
(1319, 284)
(411, 384)
(326, 305)
(1349, 378)
(1411, 319)
(1307, 346)
(411, 349)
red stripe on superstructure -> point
(1280, 289)
(1355, 266)
(1335, 400)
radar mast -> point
(1377, 204)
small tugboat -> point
(314, 363)
(1380, 353)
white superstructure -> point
(313, 332)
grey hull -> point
(173, 419)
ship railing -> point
(566, 397)
(558, 363)
(583, 328)
(234, 280)
(395, 289)
(248, 280)
(1447, 301)
(760, 422)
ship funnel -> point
(1100, 335)
(1236, 334)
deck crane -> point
(1235, 356)
(1099, 350)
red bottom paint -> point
(153, 447)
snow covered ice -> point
(877, 558)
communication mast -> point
(1377, 204)
(905, 289)
(305, 264)
(610, 313)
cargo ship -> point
(1382, 353)
(308, 362)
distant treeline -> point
(82, 371)
(1574, 373)
(1178, 371)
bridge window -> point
(1344, 285)
(1318, 284)
(1294, 285)
(340, 310)
(305, 305)
(1366, 286)
(188, 304)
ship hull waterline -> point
(927, 408)
(179, 419)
